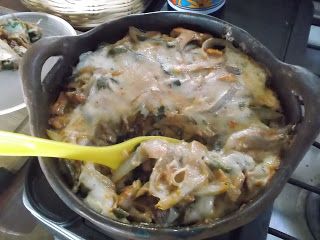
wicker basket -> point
(88, 14)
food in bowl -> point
(16, 36)
(187, 85)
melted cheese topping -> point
(146, 77)
(187, 85)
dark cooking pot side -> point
(289, 82)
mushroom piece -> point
(257, 138)
(185, 36)
(214, 47)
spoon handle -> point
(15, 144)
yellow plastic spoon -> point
(14, 144)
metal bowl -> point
(289, 82)
(11, 97)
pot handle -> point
(37, 94)
(307, 85)
(34, 59)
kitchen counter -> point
(16, 223)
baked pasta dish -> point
(186, 85)
(16, 36)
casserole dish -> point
(293, 85)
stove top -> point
(283, 26)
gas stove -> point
(283, 26)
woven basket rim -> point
(95, 13)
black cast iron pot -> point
(289, 82)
